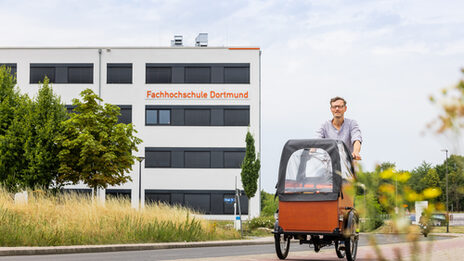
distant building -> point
(191, 106)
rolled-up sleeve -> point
(355, 132)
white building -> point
(191, 106)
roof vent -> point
(201, 40)
(177, 41)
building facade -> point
(191, 106)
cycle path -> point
(441, 250)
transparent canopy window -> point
(309, 171)
(345, 164)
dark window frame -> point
(216, 202)
(248, 80)
(178, 156)
(63, 67)
(124, 107)
(198, 109)
(115, 193)
(51, 78)
(121, 66)
(158, 117)
(237, 109)
(13, 67)
(195, 151)
(152, 166)
(199, 194)
(206, 81)
(215, 112)
(178, 72)
(151, 81)
(224, 158)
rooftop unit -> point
(177, 41)
(201, 40)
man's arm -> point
(320, 133)
(356, 150)
(356, 139)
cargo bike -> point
(314, 204)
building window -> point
(197, 74)
(37, 74)
(233, 159)
(124, 194)
(197, 117)
(158, 198)
(215, 202)
(236, 117)
(197, 159)
(204, 73)
(80, 74)
(119, 73)
(70, 108)
(126, 114)
(178, 157)
(11, 66)
(199, 202)
(158, 159)
(62, 72)
(158, 74)
(236, 74)
(158, 117)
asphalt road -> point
(201, 252)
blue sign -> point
(237, 218)
(229, 200)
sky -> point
(384, 57)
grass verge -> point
(70, 219)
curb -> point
(20, 251)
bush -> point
(262, 221)
(269, 204)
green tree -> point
(269, 204)
(455, 165)
(41, 150)
(417, 174)
(14, 110)
(384, 166)
(94, 148)
(250, 167)
(431, 179)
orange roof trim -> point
(239, 48)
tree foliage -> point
(455, 164)
(28, 152)
(269, 204)
(95, 149)
(250, 167)
(431, 179)
(14, 110)
(417, 174)
(40, 149)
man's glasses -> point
(337, 107)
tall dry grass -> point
(71, 219)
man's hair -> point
(334, 99)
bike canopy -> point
(313, 170)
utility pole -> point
(447, 211)
(396, 192)
(140, 159)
